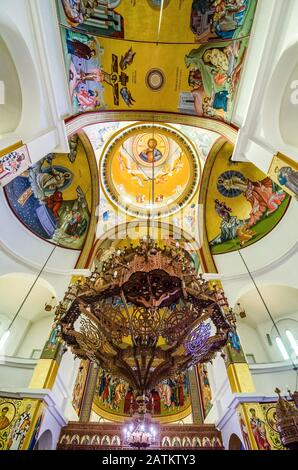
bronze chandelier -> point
(145, 315)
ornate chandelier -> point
(140, 433)
(144, 315)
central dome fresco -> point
(150, 169)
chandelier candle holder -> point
(139, 435)
(144, 315)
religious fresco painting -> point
(244, 431)
(36, 431)
(128, 163)
(52, 348)
(213, 77)
(221, 19)
(107, 216)
(83, 63)
(13, 164)
(201, 138)
(110, 74)
(243, 204)
(157, 3)
(262, 424)
(92, 16)
(93, 79)
(284, 172)
(53, 199)
(79, 388)
(233, 352)
(169, 398)
(205, 389)
(16, 417)
(100, 133)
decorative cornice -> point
(17, 362)
(44, 395)
(75, 123)
(263, 270)
(257, 369)
(236, 400)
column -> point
(238, 371)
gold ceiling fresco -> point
(124, 55)
(150, 170)
(241, 204)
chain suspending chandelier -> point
(144, 315)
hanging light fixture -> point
(51, 305)
(144, 316)
(239, 311)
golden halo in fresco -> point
(151, 149)
(149, 170)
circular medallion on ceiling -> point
(149, 170)
(226, 183)
(155, 79)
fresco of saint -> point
(116, 396)
(4, 421)
(151, 154)
(288, 177)
(259, 431)
(19, 430)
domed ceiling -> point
(134, 184)
(140, 171)
(150, 170)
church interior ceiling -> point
(135, 171)
(194, 70)
(242, 203)
(53, 198)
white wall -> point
(260, 30)
(264, 88)
(253, 342)
(267, 377)
(30, 31)
(36, 336)
(64, 384)
(267, 328)
(11, 109)
(15, 373)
